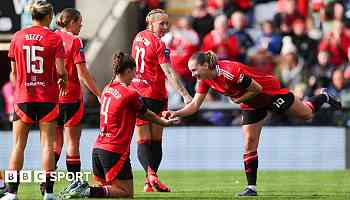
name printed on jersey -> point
(33, 37)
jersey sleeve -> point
(202, 87)
(137, 104)
(59, 48)
(163, 53)
(11, 53)
(78, 51)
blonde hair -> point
(155, 15)
(39, 9)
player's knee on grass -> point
(122, 191)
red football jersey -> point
(229, 75)
(35, 50)
(119, 109)
(149, 52)
(74, 54)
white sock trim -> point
(252, 187)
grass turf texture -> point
(225, 184)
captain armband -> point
(244, 81)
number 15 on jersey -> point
(30, 54)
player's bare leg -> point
(251, 142)
(47, 139)
(20, 136)
(73, 143)
(58, 145)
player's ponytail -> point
(39, 9)
(207, 57)
(211, 58)
(121, 62)
(67, 16)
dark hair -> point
(39, 9)
(121, 62)
(66, 16)
(207, 57)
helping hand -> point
(62, 86)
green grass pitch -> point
(332, 185)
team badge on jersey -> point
(167, 53)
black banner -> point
(13, 15)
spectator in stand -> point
(312, 31)
(8, 91)
(245, 41)
(269, 40)
(338, 87)
(247, 7)
(322, 71)
(331, 16)
(263, 61)
(345, 37)
(202, 21)
(220, 42)
(183, 41)
(331, 43)
(222, 7)
(285, 17)
(320, 74)
(216, 7)
(306, 47)
(291, 70)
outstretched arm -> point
(190, 108)
(151, 116)
(175, 82)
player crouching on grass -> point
(111, 163)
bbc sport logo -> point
(36, 176)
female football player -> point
(71, 106)
(111, 152)
(257, 93)
(36, 55)
(152, 67)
